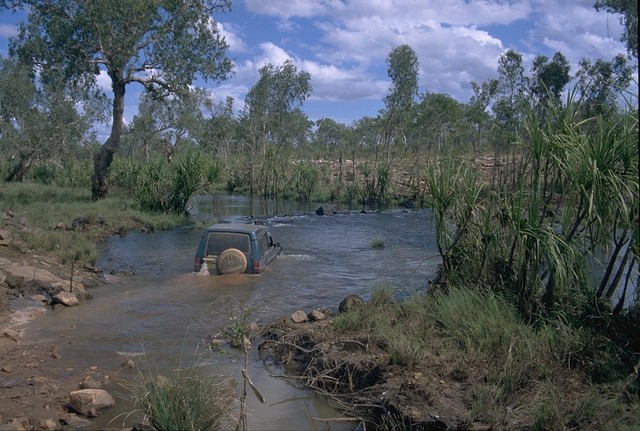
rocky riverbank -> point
(36, 393)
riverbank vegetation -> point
(65, 223)
(461, 358)
(532, 184)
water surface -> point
(154, 310)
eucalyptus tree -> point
(219, 135)
(162, 45)
(274, 120)
(330, 141)
(549, 78)
(164, 124)
(511, 97)
(477, 110)
(402, 68)
(437, 116)
(600, 84)
(327, 138)
(39, 121)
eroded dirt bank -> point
(358, 373)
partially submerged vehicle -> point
(235, 248)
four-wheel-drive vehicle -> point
(235, 248)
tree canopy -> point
(164, 45)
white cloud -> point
(235, 42)
(104, 82)
(8, 30)
(272, 54)
(578, 30)
(288, 8)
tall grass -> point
(67, 223)
(187, 399)
(548, 376)
(160, 186)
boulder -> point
(327, 210)
(16, 424)
(31, 273)
(349, 303)
(85, 401)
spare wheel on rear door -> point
(232, 261)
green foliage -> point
(628, 11)
(187, 399)
(75, 174)
(275, 124)
(384, 191)
(194, 174)
(52, 210)
(515, 367)
(41, 125)
(567, 198)
(159, 186)
(377, 243)
(306, 178)
(42, 174)
(126, 173)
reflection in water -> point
(154, 311)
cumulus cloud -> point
(231, 36)
(344, 44)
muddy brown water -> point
(157, 312)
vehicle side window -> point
(220, 241)
(264, 245)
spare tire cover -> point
(232, 261)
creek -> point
(155, 310)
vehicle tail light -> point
(256, 267)
(196, 264)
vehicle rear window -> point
(220, 241)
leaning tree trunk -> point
(20, 169)
(104, 157)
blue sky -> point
(344, 44)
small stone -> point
(299, 316)
(90, 382)
(316, 315)
(128, 364)
(54, 352)
(43, 424)
(12, 335)
(74, 421)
